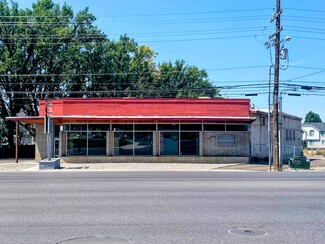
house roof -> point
(318, 126)
(76, 110)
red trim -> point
(148, 107)
(106, 110)
(68, 120)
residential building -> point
(314, 135)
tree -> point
(37, 46)
(49, 52)
(181, 81)
(312, 117)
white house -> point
(314, 135)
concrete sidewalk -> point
(32, 165)
(9, 165)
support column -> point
(201, 143)
(110, 145)
(155, 143)
(63, 144)
(17, 141)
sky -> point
(227, 39)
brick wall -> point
(233, 144)
(40, 143)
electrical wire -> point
(306, 10)
(146, 15)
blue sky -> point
(227, 39)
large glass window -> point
(151, 127)
(98, 127)
(123, 143)
(143, 143)
(311, 132)
(214, 127)
(79, 127)
(122, 127)
(97, 143)
(168, 127)
(233, 127)
(189, 143)
(169, 143)
(195, 127)
(77, 143)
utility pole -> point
(275, 108)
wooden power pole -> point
(275, 109)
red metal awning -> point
(106, 110)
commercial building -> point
(145, 130)
(289, 134)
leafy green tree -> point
(123, 68)
(37, 46)
(312, 117)
(180, 80)
(50, 52)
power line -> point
(164, 21)
(314, 73)
(145, 15)
(310, 38)
(44, 43)
(100, 36)
(306, 10)
(126, 73)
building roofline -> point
(265, 112)
(141, 119)
(314, 125)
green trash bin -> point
(299, 163)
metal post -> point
(280, 135)
(269, 120)
(49, 146)
(17, 141)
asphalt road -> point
(162, 207)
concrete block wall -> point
(154, 159)
(40, 143)
(212, 146)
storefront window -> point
(116, 127)
(151, 127)
(189, 143)
(169, 143)
(98, 127)
(123, 143)
(79, 127)
(195, 127)
(77, 143)
(143, 143)
(237, 127)
(97, 143)
(168, 127)
(214, 127)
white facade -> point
(314, 135)
(289, 134)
